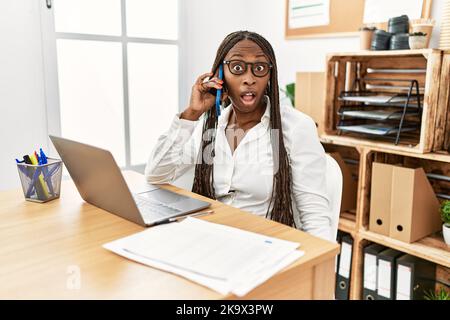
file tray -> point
(381, 99)
(377, 129)
(370, 98)
(41, 183)
(374, 114)
(384, 80)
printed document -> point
(225, 259)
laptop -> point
(100, 182)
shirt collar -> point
(225, 115)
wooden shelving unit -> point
(380, 146)
(391, 69)
(347, 225)
(430, 248)
(430, 150)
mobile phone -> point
(219, 92)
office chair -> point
(334, 191)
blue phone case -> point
(219, 92)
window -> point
(117, 73)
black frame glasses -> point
(254, 65)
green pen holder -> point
(41, 183)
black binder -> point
(339, 236)
(415, 277)
(344, 270)
(370, 270)
(386, 274)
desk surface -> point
(54, 250)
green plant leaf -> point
(442, 294)
(445, 211)
(289, 91)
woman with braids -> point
(257, 155)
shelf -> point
(382, 147)
(346, 224)
(431, 248)
(387, 53)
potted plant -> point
(290, 93)
(417, 40)
(442, 294)
(445, 216)
(425, 26)
(365, 37)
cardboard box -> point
(380, 199)
(414, 206)
(349, 185)
(403, 204)
(310, 96)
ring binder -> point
(345, 263)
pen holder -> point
(41, 183)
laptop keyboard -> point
(152, 210)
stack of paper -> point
(225, 259)
(376, 99)
(378, 129)
(372, 114)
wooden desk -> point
(54, 251)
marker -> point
(26, 159)
(43, 156)
(47, 175)
(37, 158)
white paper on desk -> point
(222, 258)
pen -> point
(182, 217)
(43, 157)
(22, 168)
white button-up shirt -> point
(244, 178)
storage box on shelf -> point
(431, 247)
(387, 99)
(348, 159)
(403, 204)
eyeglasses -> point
(239, 67)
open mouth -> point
(248, 98)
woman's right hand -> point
(201, 99)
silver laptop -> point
(100, 182)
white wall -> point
(23, 125)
